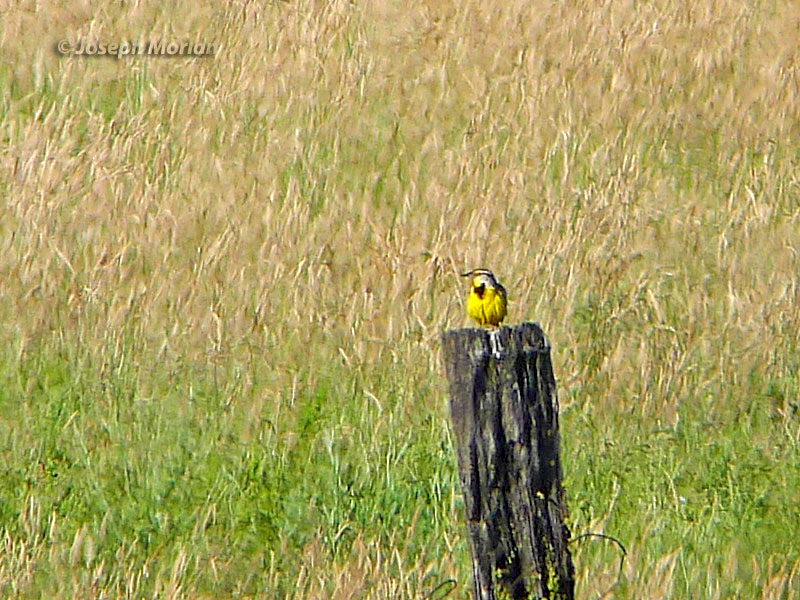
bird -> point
(487, 302)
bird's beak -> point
(467, 274)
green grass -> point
(100, 466)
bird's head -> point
(481, 279)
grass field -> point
(224, 281)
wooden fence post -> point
(504, 410)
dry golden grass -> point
(297, 208)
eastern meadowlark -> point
(487, 302)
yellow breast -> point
(489, 308)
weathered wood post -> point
(505, 417)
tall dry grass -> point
(290, 216)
